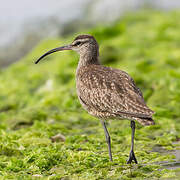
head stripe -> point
(85, 36)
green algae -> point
(39, 101)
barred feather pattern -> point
(111, 93)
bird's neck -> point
(88, 58)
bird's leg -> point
(108, 139)
(132, 155)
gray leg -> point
(132, 155)
(108, 139)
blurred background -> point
(24, 23)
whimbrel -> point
(104, 92)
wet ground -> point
(169, 164)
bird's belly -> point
(84, 105)
(94, 112)
(101, 114)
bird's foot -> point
(132, 158)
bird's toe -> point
(132, 158)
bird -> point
(106, 92)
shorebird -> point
(104, 92)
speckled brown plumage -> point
(105, 92)
(111, 93)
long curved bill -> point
(68, 47)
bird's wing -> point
(111, 90)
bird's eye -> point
(77, 43)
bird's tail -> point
(145, 121)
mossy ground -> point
(39, 101)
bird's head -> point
(82, 44)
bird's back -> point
(111, 93)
